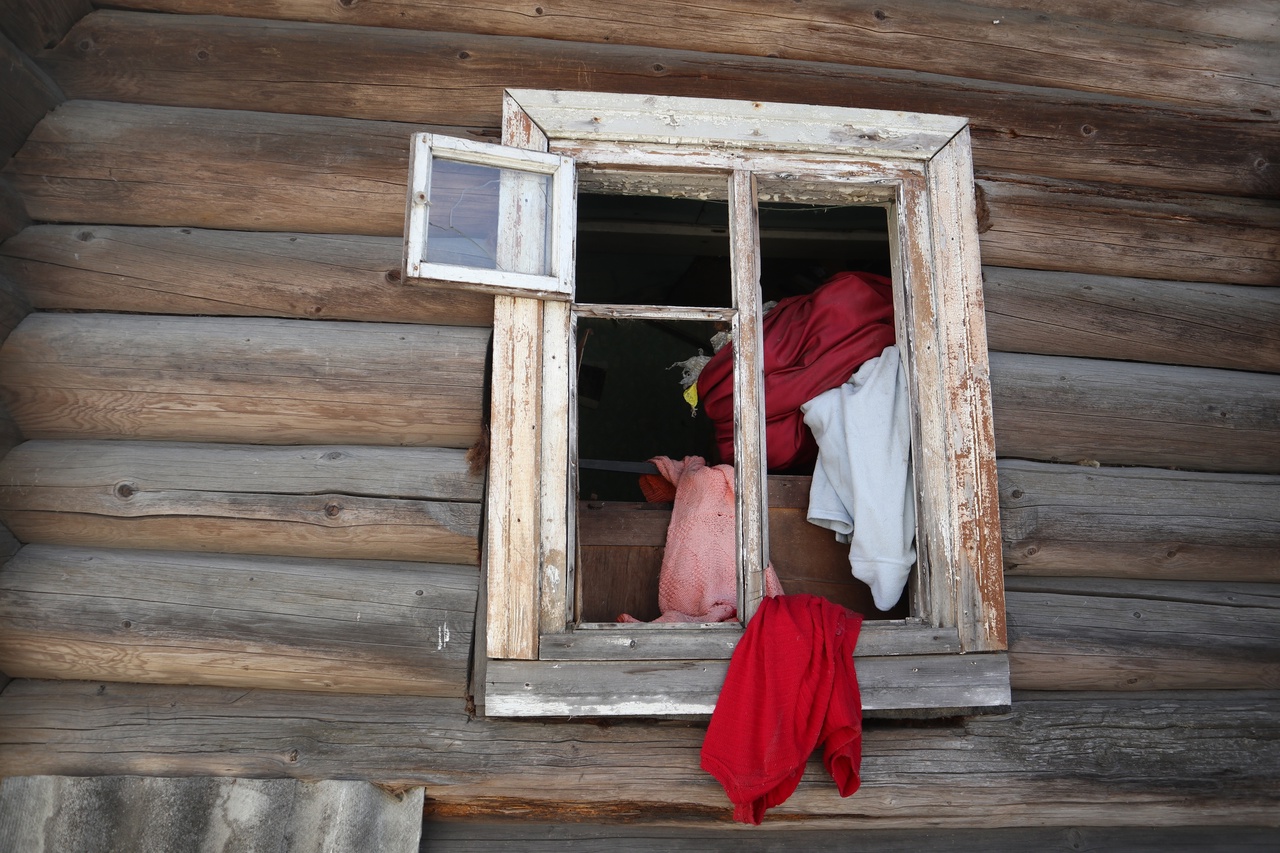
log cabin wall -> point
(236, 466)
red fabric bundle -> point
(812, 343)
(791, 685)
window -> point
(754, 169)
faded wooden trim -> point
(751, 488)
(167, 617)
(910, 685)
(673, 641)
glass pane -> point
(638, 250)
(466, 214)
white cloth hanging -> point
(862, 484)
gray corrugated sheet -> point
(113, 814)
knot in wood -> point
(126, 490)
(332, 509)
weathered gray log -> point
(26, 94)
(243, 380)
(129, 164)
(1060, 520)
(172, 618)
(640, 836)
(1047, 224)
(448, 79)
(1090, 634)
(956, 38)
(1206, 325)
(57, 814)
(38, 24)
(1134, 759)
(374, 503)
(1118, 413)
(195, 271)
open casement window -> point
(682, 213)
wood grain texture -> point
(449, 830)
(457, 79)
(1047, 224)
(133, 165)
(985, 42)
(167, 617)
(1057, 409)
(1083, 634)
(937, 685)
(1206, 325)
(259, 380)
(1139, 523)
(38, 24)
(129, 165)
(198, 271)
(26, 94)
(377, 503)
(1133, 759)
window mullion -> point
(748, 386)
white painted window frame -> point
(949, 657)
(559, 220)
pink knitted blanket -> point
(699, 577)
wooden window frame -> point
(950, 656)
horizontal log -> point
(1118, 413)
(173, 618)
(1047, 224)
(1251, 20)
(1204, 325)
(1156, 759)
(954, 38)
(37, 24)
(451, 79)
(450, 831)
(1138, 523)
(196, 271)
(243, 380)
(216, 168)
(1142, 635)
(26, 94)
(136, 165)
(347, 277)
(374, 503)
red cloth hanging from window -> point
(812, 343)
(791, 685)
